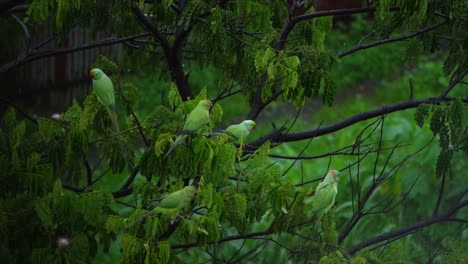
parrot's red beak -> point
(195, 193)
(91, 74)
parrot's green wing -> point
(176, 201)
(324, 199)
(241, 131)
(237, 131)
(325, 194)
(197, 119)
(172, 200)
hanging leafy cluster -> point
(40, 222)
(413, 15)
(449, 123)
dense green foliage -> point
(253, 203)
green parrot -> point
(325, 194)
(196, 120)
(177, 201)
(104, 90)
(241, 131)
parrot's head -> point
(334, 173)
(96, 73)
(250, 124)
(192, 190)
(205, 104)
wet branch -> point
(290, 137)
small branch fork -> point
(407, 230)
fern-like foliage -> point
(447, 122)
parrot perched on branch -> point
(196, 120)
(325, 194)
(241, 131)
(177, 201)
(104, 90)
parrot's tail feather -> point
(179, 140)
(214, 134)
(113, 115)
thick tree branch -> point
(125, 189)
(257, 105)
(89, 172)
(174, 54)
(290, 137)
(149, 26)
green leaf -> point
(422, 112)
(437, 120)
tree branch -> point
(125, 189)
(173, 54)
(227, 239)
(408, 229)
(457, 80)
(257, 105)
(32, 56)
(19, 110)
(347, 11)
(390, 40)
(12, 6)
(441, 193)
(140, 129)
(359, 213)
(149, 26)
(346, 122)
